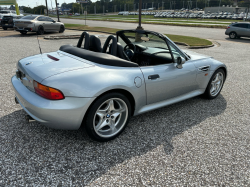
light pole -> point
(162, 5)
(139, 26)
(47, 7)
(57, 12)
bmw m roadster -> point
(102, 86)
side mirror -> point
(180, 61)
(53, 21)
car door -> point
(248, 30)
(240, 29)
(43, 21)
(166, 81)
(53, 25)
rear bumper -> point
(24, 29)
(63, 114)
(7, 26)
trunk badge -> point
(28, 63)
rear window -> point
(7, 17)
(29, 17)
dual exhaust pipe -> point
(28, 118)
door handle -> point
(204, 68)
(153, 76)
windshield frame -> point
(161, 36)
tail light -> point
(48, 92)
(228, 27)
(53, 58)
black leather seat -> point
(95, 44)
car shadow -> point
(45, 151)
(239, 40)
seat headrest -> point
(95, 44)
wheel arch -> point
(118, 90)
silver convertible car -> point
(98, 87)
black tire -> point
(207, 93)
(5, 28)
(233, 35)
(62, 29)
(23, 32)
(40, 30)
(91, 116)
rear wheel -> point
(40, 30)
(108, 116)
(232, 35)
(4, 28)
(62, 29)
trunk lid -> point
(40, 67)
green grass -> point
(191, 41)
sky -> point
(33, 3)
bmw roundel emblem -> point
(108, 115)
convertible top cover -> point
(100, 58)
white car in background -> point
(77, 14)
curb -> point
(78, 36)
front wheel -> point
(5, 28)
(108, 117)
(215, 84)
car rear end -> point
(26, 24)
(45, 103)
(7, 22)
(230, 28)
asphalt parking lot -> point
(192, 143)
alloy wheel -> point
(216, 84)
(110, 117)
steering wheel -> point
(128, 51)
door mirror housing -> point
(53, 21)
(180, 61)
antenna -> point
(39, 44)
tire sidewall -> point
(92, 111)
(207, 92)
(62, 30)
(232, 33)
(39, 30)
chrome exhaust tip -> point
(29, 119)
(16, 101)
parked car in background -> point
(237, 30)
(7, 21)
(77, 14)
(39, 24)
(1, 16)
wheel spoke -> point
(101, 124)
(216, 78)
(111, 106)
(212, 89)
(101, 114)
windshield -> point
(145, 39)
